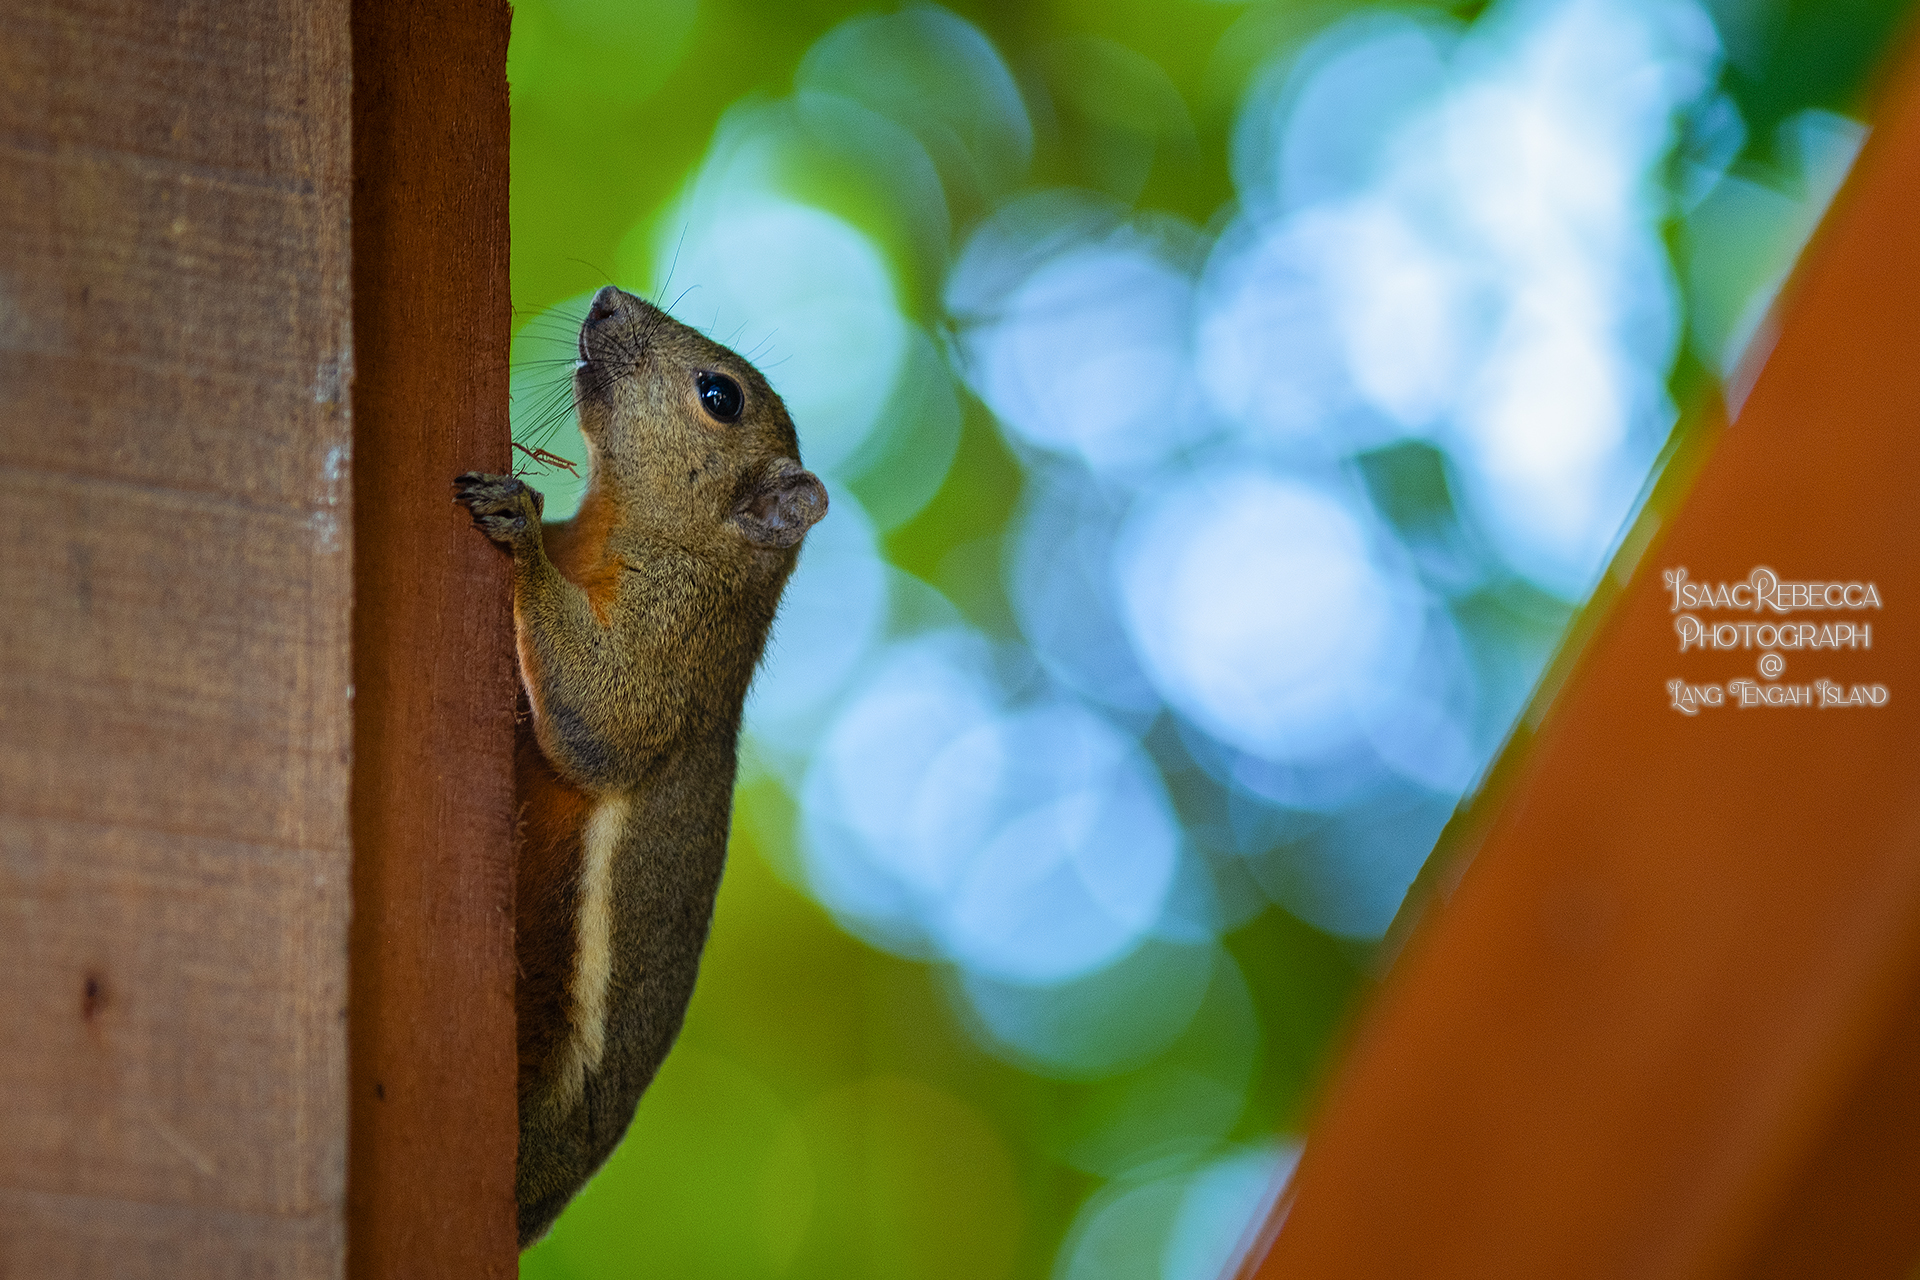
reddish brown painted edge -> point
(434, 1122)
(1851, 1207)
(1666, 1023)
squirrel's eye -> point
(720, 396)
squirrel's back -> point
(648, 869)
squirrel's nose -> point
(605, 303)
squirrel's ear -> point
(782, 507)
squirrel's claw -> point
(503, 507)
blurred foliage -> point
(825, 1113)
(614, 102)
(829, 1112)
(1784, 56)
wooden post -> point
(176, 552)
(1668, 1023)
(435, 1125)
(254, 667)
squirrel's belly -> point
(593, 956)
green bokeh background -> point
(826, 1112)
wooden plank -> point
(435, 1122)
(175, 707)
(1851, 1209)
(1668, 1000)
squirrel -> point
(638, 626)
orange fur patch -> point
(578, 550)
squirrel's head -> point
(683, 427)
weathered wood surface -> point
(175, 566)
(434, 1120)
(1666, 1024)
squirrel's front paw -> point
(503, 507)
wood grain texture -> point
(1664, 1025)
(434, 1117)
(175, 561)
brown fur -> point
(638, 624)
